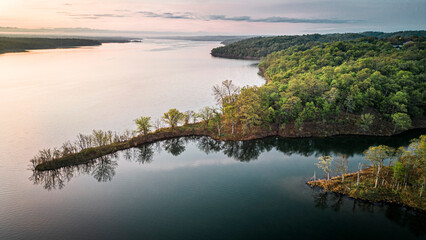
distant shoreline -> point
(24, 44)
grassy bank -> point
(387, 191)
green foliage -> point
(143, 124)
(377, 155)
(173, 117)
(290, 108)
(249, 107)
(324, 163)
(317, 82)
(205, 114)
(321, 82)
(262, 46)
(401, 121)
(366, 121)
(399, 171)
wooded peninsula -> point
(367, 86)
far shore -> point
(24, 44)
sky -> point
(237, 17)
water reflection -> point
(413, 220)
(103, 169)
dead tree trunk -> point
(377, 176)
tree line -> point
(262, 46)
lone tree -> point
(324, 163)
(143, 124)
(341, 165)
(173, 117)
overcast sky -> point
(218, 16)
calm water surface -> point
(187, 188)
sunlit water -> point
(188, 188)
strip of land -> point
(202, 129)
(8, 44)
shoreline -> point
(235, 57)
(200, 129)
(26, 44)
(365, 192)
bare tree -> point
(158, 124)
(188, 115)
(341, 165)
(226, 92)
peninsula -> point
(367, 86)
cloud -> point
(91, 16)
(188, 15)
(176, 15)
(192, 16)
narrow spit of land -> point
(202, 129)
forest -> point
(375, 79)
(370, 86)
(14, 44)
(255, 48)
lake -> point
(186, 188)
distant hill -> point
(255, 48)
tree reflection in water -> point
(415, 221)
(103, 169)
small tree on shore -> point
(341, 165)
(173, 117)
(324, 163)
(144, 125)
(206, 114)
(158, 124)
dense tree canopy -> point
(385, 76)
(261, 46)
